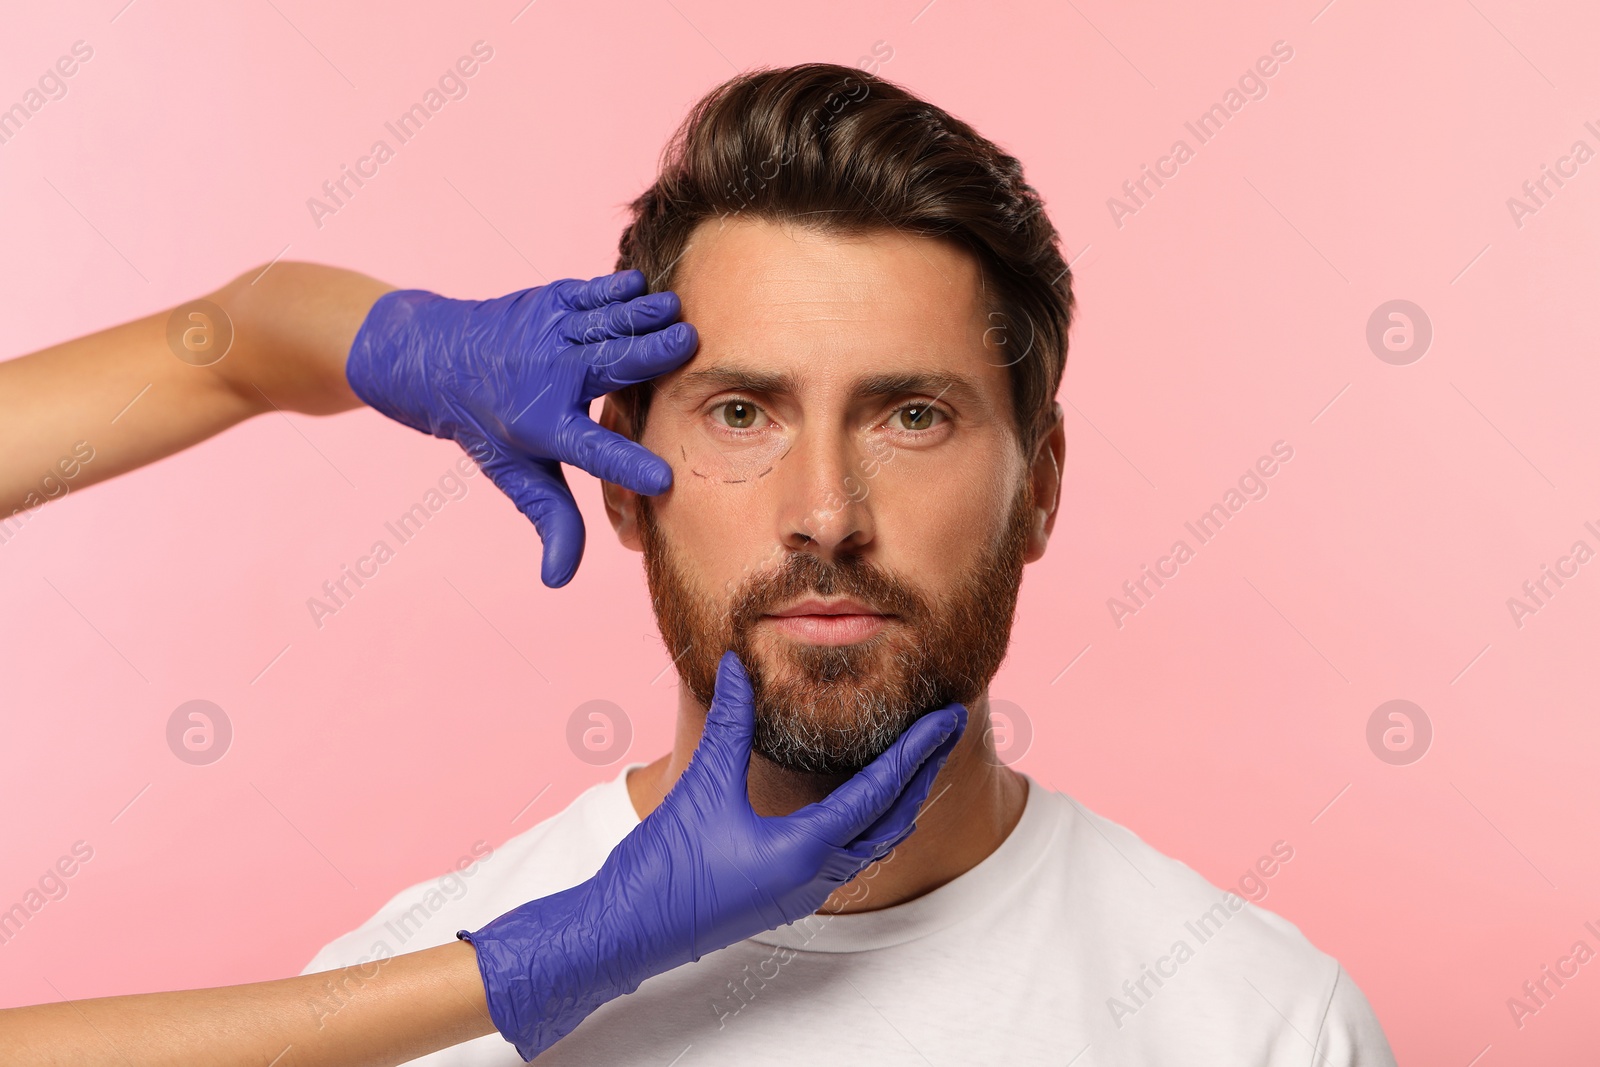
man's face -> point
(850, 509)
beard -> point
(833, 709)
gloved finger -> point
(540, 492)
(627, 319)
(866, 853)
(611, 457)
(622, 361)
(894, 825)
(724, 750)
(849, 810)
(606, 289)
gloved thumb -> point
(730, 724)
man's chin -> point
(834, 726)
(814, 755)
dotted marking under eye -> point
(737, 481)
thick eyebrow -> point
(785, 383)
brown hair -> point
(838, 148)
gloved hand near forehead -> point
(511, 380)
(700, 872)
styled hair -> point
(839, 149)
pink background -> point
(1223, 316)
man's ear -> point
(1049, 457)
(621, 504)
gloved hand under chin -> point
(511, 379)
(699, 873)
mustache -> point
(804, 574)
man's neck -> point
(974, 803)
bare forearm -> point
(94, 407)
(385, 1013)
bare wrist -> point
(293, 325)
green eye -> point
(917, 416)
(738, 414)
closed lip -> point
(813, 606)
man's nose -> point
(824, 501)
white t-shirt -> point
(1021, 960)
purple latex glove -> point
(699, 873)
(511, 379)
